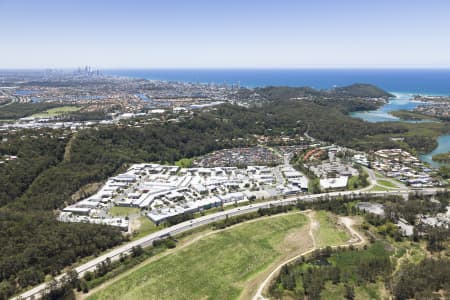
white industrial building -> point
(334, 183)
(165, 191)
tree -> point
(6, 290)
(137, 251)
(88, 276)
(72, 277)
(84, 286)
(349, 292)
(314, 186)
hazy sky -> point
(231, 33)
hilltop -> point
(357, 90)
(361, 90)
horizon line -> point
(232, 68)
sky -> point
(225, 34)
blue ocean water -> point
(423, 81)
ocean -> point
(420, 81)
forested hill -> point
(361, 90)
(285, 92)
(357, 90)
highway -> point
(37, 291)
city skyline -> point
(200, 34)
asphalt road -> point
(35, 293)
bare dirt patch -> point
(86, 191)
(296, 242)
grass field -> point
(387, 183)
(379, 175)
(123, 211)
(378, 188)
(146, 227)
(57, 111)
(327, 233)
(216, 267)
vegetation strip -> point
(235, 254)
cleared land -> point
(327, 231)
(140, 225)
(57, 111)
(216, 267)
(143, 226)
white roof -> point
(77, 209)
(334, 183)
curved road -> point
(37, 291)
(356, 239)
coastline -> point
(321, 79)
(415, 81)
